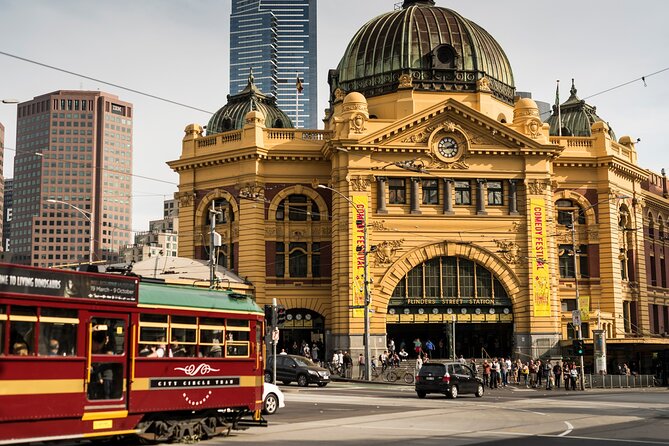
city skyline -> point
(589, 50)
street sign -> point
(275, 335)
(576, 319)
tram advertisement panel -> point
(62, 283)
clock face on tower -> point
(448, 147)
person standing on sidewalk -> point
(557, 371)
(348, 364)
(361, 367)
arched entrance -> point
(302, 327)
(457, 304)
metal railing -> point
(619, 381)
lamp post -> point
(579, 328)
(88, 216)
(367, 349)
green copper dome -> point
(231, 116)
(577, 117)
(438, 48)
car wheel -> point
(302, 381)
(421, 394)
(286, 383)
(322, 384)
(479, 391)
(268, 377)
(271, 404)
(453, 392)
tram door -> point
(107, 361)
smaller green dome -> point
(577, 117)
(232, 115)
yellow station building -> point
(465, 197)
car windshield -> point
(303, 362)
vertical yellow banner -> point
(358, 253)
(541, 288)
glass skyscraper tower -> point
(277, 39)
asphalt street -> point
(358, 413)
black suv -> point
(291, 368)
(450, 378)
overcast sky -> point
(179, 50)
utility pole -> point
(274, 327)
(212, 245)
(578, 299)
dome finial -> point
(408, 3)
(251, 78)
(573, 88)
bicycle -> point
(405, 375)
(335, 369)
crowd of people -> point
(531, 374)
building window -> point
(463, 193)
(279, 263)
(397, 191)
(430, 191)
(566, 209)
(653, 271)
(663, 272)
(297, 259)
(583, 263)
(566, 260)
(495, 193)
(299, 208)
(651, 226)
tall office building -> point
(2, 181)
(72, 176)
(277, 39)
(7, 213)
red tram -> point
(87, 355)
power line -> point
(132, 90)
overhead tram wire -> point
(132, 90)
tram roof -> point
(200, 298)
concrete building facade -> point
(72, 178)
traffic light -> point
(268, 315)
(280, 315)
(578, 347)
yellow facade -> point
(516, 233)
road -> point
(354, 414)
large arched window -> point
(298, 207)
(446, 279)
(297, 248)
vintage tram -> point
(86, 355)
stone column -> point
(480, 196)
(448, 196)
(513, 197)
(415, 204)
(381, 185)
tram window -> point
(58, 332)
(212, 334)
(183, 336)
(106, 381)
(108, 337)
(238, 336)
(153, 330)
(22, 322)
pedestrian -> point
(504, 372)
(540, 372)
(430, 348)
(548, 374)
(348, 364)
(391, 346)
(314, 354)
(525, 371)
(573, 373)
(419, 364)
(494, 373)
(417, 347)
(557, 372)
(486, 373)
(361, 367)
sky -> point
(179, 50)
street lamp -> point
(88, 216)
(574, 251)
(367, 350)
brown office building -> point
(72, 171)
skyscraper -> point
(277, 39)
(72, 173)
